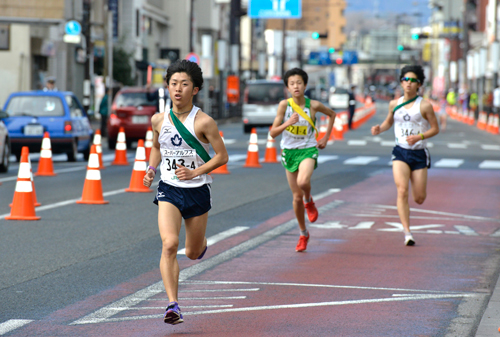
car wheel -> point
(74, 151)
(247, 128)
(4, 167)
(18, 156)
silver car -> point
(260, 103)
(339, 99)
(4, 144)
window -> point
(4, 37)
(133, 99)
(271, 93)
(74, 107)
(36, 106)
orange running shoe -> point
(312, 211)
(302, 244)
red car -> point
(131, 110)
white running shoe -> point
(409, 240)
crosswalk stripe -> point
(457, 146)
(357, 142)
(490, 147)
(448, 162)
(490, 164)
(360, 160)
(13, 324)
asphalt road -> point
(80, 258)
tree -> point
(122, 70)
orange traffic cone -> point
(253, 151)
(26, 150)
(98, 147)
(338, 129)
(121, 149)
(221, 169)
(495, 125)
(136, 184)
(148, 144)
(92, 188)
(481, 120)
(471, 119)
(23, 205)
(322, 127)
(45, 165)
(489, 126)
(271, 154)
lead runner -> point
(414, 122)
(181, 143)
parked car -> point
(318, 93)
(32, 113)
(131, 110)
(339, 98)
(4, 144)
(260, 103)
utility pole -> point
(88, 47)
(283, 50)
(191, 27)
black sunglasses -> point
(411, 79)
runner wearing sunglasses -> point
(414, 122)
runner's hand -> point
(322, 143)
(293, 119)
(148, 178)
(184, 173)
(413, 139)
(375, 130)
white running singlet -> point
(410, 122)
(300, 135)
(174, 150)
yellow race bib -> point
(300, 130)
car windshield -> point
(340, 91)
(133, 99)
(37, 106)
(267, 93)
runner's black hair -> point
(416, 69)
(188, 67)
(295, 71)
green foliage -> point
(122, 70)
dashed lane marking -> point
(457, 145)
(448, 162)
(219, 237)
(489, 147)
(13, 324)
(490, 164)
(360, 160)
(357, 142)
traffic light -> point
(315, 35)
(401, 47)
(339, 60)
(331, 50)
(415, 36)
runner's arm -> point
(319, 107)
(155, 155)
(278, 126)
(428, 113)
(387, 123)
(210, 131)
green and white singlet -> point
(300, 135)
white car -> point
(260, 103)
(339, 98)
(4, 144)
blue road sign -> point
(350, 57)
(73, 28)
(275, 9)
(321, 58)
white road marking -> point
(329, 225)
(324, 159)
(357, 142)
(219, 237)
(490, 147)
(445, 162)
(363, 225)
(216, 290)
(496, 234)
(13, 324)
(457, 146)
(326, 193)
(183, 307)
(229, 141)
(490, 164)
(360, 160)
(388, 143)
(465, 230)
(397, 227)
(237, 157)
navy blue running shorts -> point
(416, 159)
(191, 202)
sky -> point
(385, 7)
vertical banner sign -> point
(150, 73)
(233, 89)
(113, 8)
